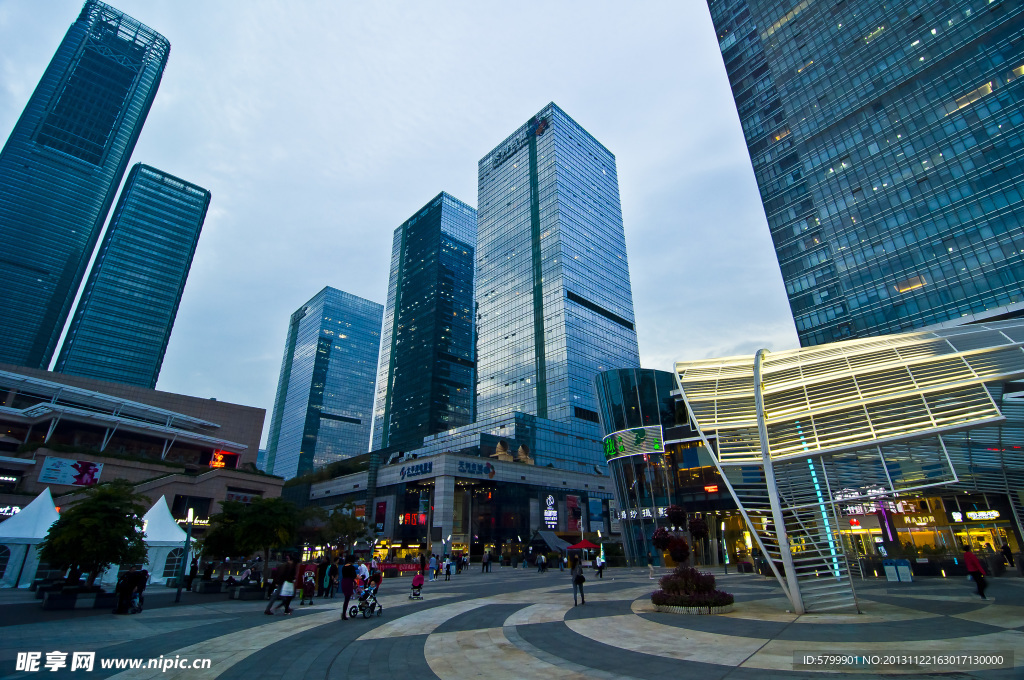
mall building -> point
(493, 485)
(827, 459)
(65, 433)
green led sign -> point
(633, 442)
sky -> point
(320, 127)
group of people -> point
(436, 565)
(320, 578)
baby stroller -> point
(367, 603)
(417, 587)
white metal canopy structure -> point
(789, 430)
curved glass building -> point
(656, 459)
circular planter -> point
(724, 609)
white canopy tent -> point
(163, 538)
(21, 535)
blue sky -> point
(321, 126)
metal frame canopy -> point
(790, 427)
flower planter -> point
(724, 609)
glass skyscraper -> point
(324, 404)
(886, 139)
(60, 169)
(427, 374)
(124, 318)
(553, 292)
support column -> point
(444, 510)
(785, 552)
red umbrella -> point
(583, 545)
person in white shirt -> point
(363, 571)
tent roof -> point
(161, 529)
(583, 545)
(31, 524)
(553, 542)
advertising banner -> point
(615, 526)
(70, 472)
(573, 513)
(632, 442)
(596, 514)
(550, 513)
(380, 516)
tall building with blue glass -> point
(886, 142)
(120, 330)
(60, 169)
(427, 376)
(555, 305)
(324, 404)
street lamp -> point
(184, 560)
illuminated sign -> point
(8, 478)
(550, 513)
(9, 510)
(196, 522)
(957, 516)
(914, 520)
(711, 488)
(480, 469)
(634, 442)
(854, 522)
(219, 459)
(982, 514)
(416, 470)
(412, 519)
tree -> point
(661, 538)
(344, 529)
(222, 538)
(268, 523)
(104, 528)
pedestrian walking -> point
(284, 577)
(433, 566)
(650, 564)
(193, 571)
(483, 562)
(447, 568)
(1007, 553)
(348, 582)
(332, 578)
(976, 571)
(562, 563)
(321, 577)
(576, 572)
(599, 566)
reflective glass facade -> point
(324, 401)
(124, 318)
(61, 167)
(553, 292)
(681, 473)
(886, 139)
(427, 373)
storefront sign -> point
(913, 520)
(400, 567)
(634, 442)
(219, 459)
(711, 488)
(413, 519)
(9, 510)
(480, 469)
(550, 513)
(416, 470)
(196, 522)
(979, 515)
(8, 478)
(70, 472)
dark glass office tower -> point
(324, 403)
(124, 318)
(427, 376)
(887, 143)
(61, 167)
(553, 288)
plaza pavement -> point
(520, 624)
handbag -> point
(580, 579)
(287, 589)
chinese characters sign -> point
(633, 442)
(479, 469)
(550, 512)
